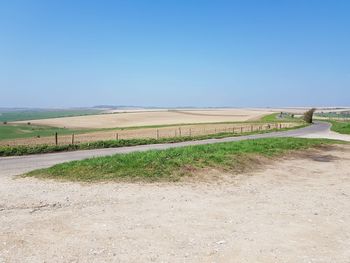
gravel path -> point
(294, 210)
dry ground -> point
(147, 118)
(292, 210)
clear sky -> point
(174, 53)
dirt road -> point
(292, 210)
(295, 210)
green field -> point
(345, 114)
(341, 127)
(8, 132)
(172, 164)
(23, 115)
(274, 117)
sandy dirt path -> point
(292, 210)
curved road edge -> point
(16, 165)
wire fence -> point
(146, 133)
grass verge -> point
(173, 164)
(341, 127)
(39, 149)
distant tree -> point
(309, 115)
(5, 122)
(28, 123)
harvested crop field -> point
(292, 210)
(151, 118)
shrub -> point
(309, 115)
(5, 122)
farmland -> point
(152, 118)
(11, 115)
(335, 115)
(25, 131)
(142, 124)
(46, 135)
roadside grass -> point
(40, 149)
(175, 163)
(340, 127)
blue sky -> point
(174, 53)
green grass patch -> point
(275, 117)
(23, 115)
(341, 127)
(14, 131)
(344, 114)
(38, 149)
(173, 164)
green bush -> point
(308, 116)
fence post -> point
(117, 136)
(180, 131)
(190, 132)
(157, 134)
(72, 138)
(241, 129)
(56, 138)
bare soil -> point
(292, 210)
(147, 118)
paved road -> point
(10, 166)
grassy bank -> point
(38, 149)
(341, 127)
(172, 164)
